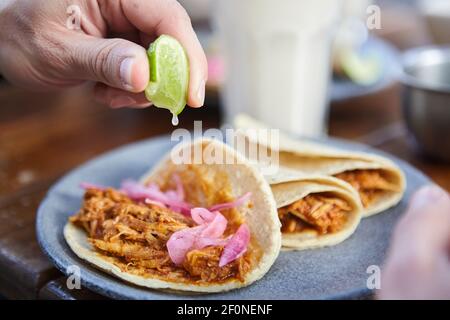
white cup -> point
(277, 58)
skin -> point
(40, 52)
(418, 263)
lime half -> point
(169, 75)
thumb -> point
(118, 63)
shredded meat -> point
(370, 184)
(323, 213)
(134, 236)
(205, 264)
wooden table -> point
(42, 136)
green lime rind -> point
(169, 74)
(361, 70)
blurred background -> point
(312, 68)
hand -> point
(418, 263)
(39, 51)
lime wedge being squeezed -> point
(169, 75)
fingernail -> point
(122, 101)
(201, 93)
(428, 195)
(126, 70)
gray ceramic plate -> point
(336, 272)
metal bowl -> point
(426, 99)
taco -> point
(199, 227)
(315, 211)
(379, 181)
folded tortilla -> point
(205, 183)
(379, 181)
(314, 210)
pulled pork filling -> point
(204, 263)
(323, 213)
(370, 184)
(133, 235)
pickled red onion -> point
(216, 227)
(152, 192)
(181, 242)
(212, 225)
(236, 246)
(185, 240)
(202, 215)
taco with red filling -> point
(199, 226)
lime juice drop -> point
(174, 119)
